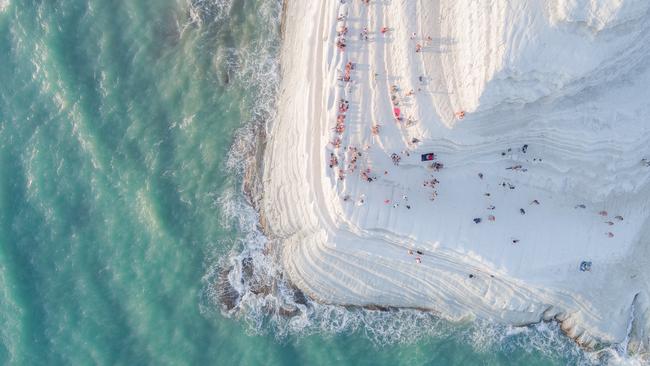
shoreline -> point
(273, 219)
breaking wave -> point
(4, 5)
(204, 11)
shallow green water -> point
(118, 201)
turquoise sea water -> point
(123, 126)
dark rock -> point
(227, 295)
(247, 268)
(260, 288)
(288, 311)
(377, 307)
(299, 297)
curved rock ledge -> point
(555, 121)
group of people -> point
(418, 257)
(341, 33)
(432, 183)
(353, 153)
(645, 162)
(395, 158)
(509, 186)
(394, 99)
(343, 105)
(348, 71)
(347, 159)
(522, 211)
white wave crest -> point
(201, 11)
